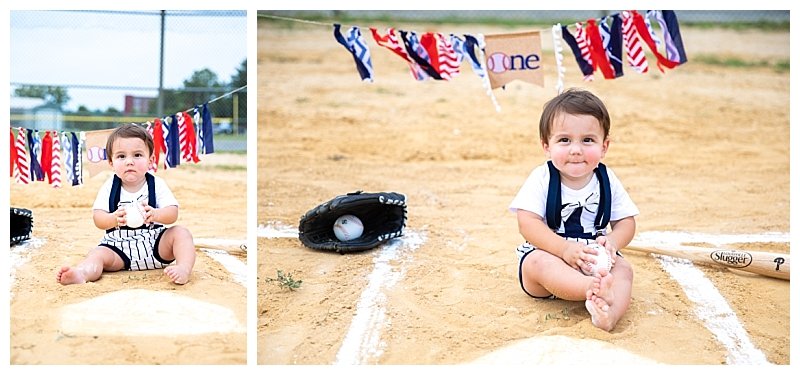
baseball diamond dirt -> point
(703, 150)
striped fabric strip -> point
(23, 165)
(417, 53)
(198, 123)
(449, 64)
(390, 42)
(635, 54)
(583, 65)
(612, 42)
(77, 160)
(208, 130)
(471, 43)
(183, 138)
(355, 44)
(78, 144)
(69, 172)
(583, 45)
(651, 14)
(189, 152)
(596, 50)
(34, 150)
(672, 36)
(172, 142)
(661, 61)
(55, 169)
(13, 171)
(458, 48)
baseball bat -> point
(227, 245)
(759, 262)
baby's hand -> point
(120, 216)
(149, 214)
(610, 246)
(575, 254)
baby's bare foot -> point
(598, 308)
(602, 286)
(70, 275)
(177, 274)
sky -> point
(121, 48)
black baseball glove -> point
(382, 214)
(21, 225)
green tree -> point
(193, 92)
(51, 94)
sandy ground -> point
(701, 149)
(130, 317)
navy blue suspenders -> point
(553, 208)
(116, 191)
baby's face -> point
(576, 146)
(130, 159)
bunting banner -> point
(66, 144)
(77, 159)
(34, 150)
(672, 35)
(635, 52)
(47, 156)
(55, 164)
(96, 151)
(172, 140)
(355, 44)
(23, 165)
(208, 131)
(515, 56)
(418, 54)
(390, 42)
(13, 169)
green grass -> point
(285, 281)
(780, 66)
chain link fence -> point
(93, 69)
(537, 16)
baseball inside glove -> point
(382, 214)
(21, 225)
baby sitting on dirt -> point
(131, 242)
(566, 204)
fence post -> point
(235, 113)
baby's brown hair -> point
(129, 131)
(574, 101)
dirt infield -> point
(130, 317)
(701, 149)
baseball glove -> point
(382, 214)
(21, 225)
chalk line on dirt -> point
(139, 312)
(21, 254)
(236, 267)
(274, 229)
(363, 342)
(710, 306)
(714, 311)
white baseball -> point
(134, 215)
(348, 228)
(603, 260)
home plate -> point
(140, 312)
(562, 350)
